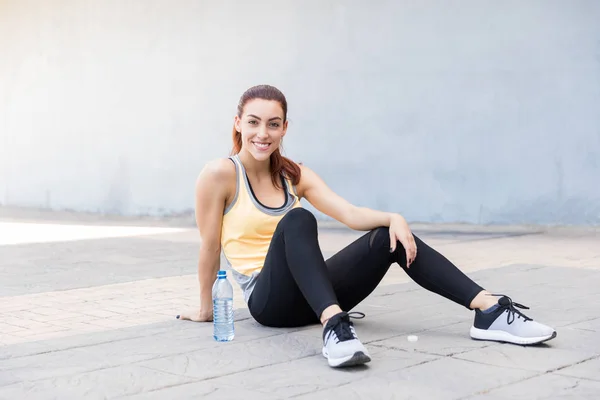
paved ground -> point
(87, 307)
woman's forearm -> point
(364, 219)
(208, 265)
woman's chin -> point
(261, 156)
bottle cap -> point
(221, 274)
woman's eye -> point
(252, 122)
(274, 125)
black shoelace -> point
(512, 310)
(343, 327)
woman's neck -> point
(255, 168)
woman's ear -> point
(237, 122)
(285, 126)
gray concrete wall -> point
(468, 111)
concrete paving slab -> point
(86, 263)
(312, 374)
(589, 369)
(288, 351)
(406, 322)
(51, 365)
(572, 314)
(577, 340)
(94, 318)
(387, 386)
(167, 329)
(228, 358)
(205, 390)
(403, 320)
(460, 378)
(592, 325)
(444, 341)
(542, 358)
(98, 384)
(547, 386)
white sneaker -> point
(341, 346)
(507, 324)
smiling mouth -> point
(261, 146)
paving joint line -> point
(531, 377)
(485, 391)
(126, 363)
(500, 366)
(371, 342)
(365, 377)
(209, 378)
(576, 363)
(431, 354)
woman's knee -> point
(299, 218)
(379, 238)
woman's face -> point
(262, 127)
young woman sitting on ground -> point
(248, 206)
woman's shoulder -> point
(308, 177)
(220, 172)
(219, 169)
(306, 173)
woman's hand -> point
(197, 316)
(399, 231)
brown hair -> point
(279, 164)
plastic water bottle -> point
(222, 295)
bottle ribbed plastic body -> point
(222, 295)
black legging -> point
(296, 283)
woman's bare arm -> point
(316, 191)
(214, 187)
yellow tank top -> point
(248, 227)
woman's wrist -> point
(395, 217)
(205, 301)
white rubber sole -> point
(358, 358)
(502, 336)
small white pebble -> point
(413, 338)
